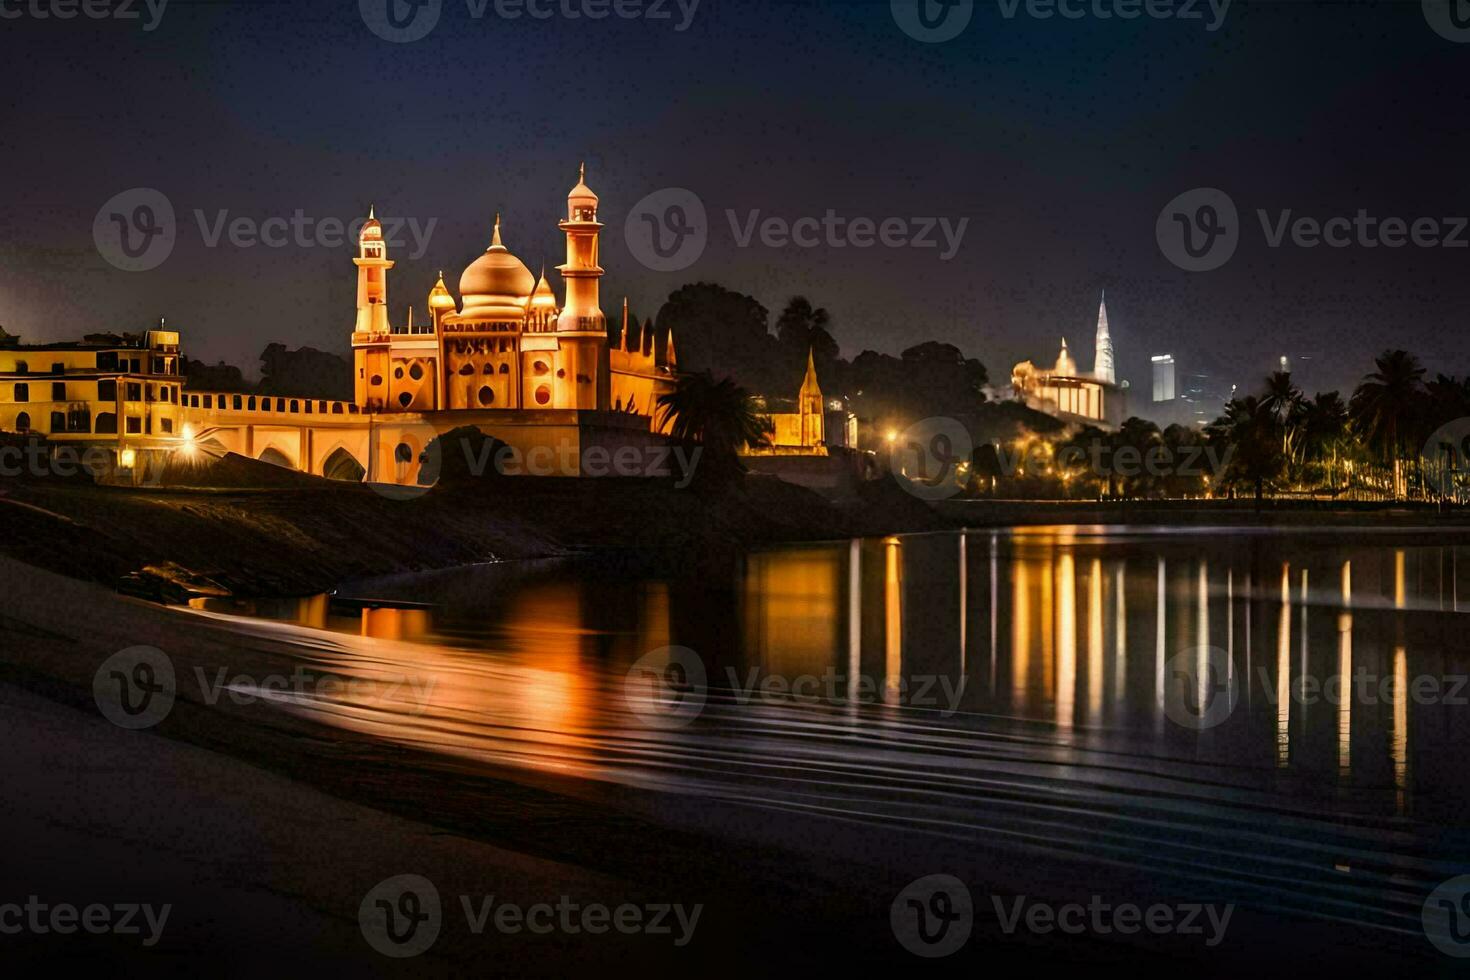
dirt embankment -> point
(255, 530)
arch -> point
(505, 369)
(342, 465)
(107, 423)
(486, 395)
(273, 456)
(23, 422)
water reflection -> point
(1009, 685)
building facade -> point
(1069, 393)
(545, 376)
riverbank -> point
(311, 535)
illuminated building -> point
(1067, 392)
(802, 432)
(541, 375)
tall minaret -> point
(1102, 365)
(581, 324)
(372, 278)
(371, 345)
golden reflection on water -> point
(548, 662)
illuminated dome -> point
(440, 297)
(497, 283)
(371, 229)
(581, 198)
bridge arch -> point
(340, 464)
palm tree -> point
(1324, 427)
(720, 415)
(1251, 429)
(1285, 400)
(1387, 408)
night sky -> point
(1059, 140)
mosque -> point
(549, 377)
(1071, 394)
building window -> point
(107, 360)
(376, 380)
(58, 391)
(487, 396)
(209, 401)
(336, 408)
(167, 426)
(543, 395)
(398, 373)
(280, 404)
(107, 391)
(405, 399)
(58, 421)
(135, 391)
(58, 368)
(22, 392)
(79, 419)
(21, 367)
(505, 369)
(416, 372)
(238, 402)
(106, 423)
(295, 405)
(23, 422)
(135, 425)
(250, 404)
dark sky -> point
(1060, 141)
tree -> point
(1251, 429)
(800, 328)
(1324, 427)
(1387, 409)
(721, 416)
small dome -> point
(440, 298)
(497, 283)
(543, 298)
(582, 194)
(371, 229)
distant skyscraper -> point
(1102, 365)
(1163, 377)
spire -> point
(372, 215)
(582, 172)
(495, 241)
(1102, 365)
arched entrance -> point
(275, 457)
(342, 465)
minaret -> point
(1102, 365)
(371, 344)
(372, 278)
(581, 325)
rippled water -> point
(1163, 701)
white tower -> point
(1102, 365)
